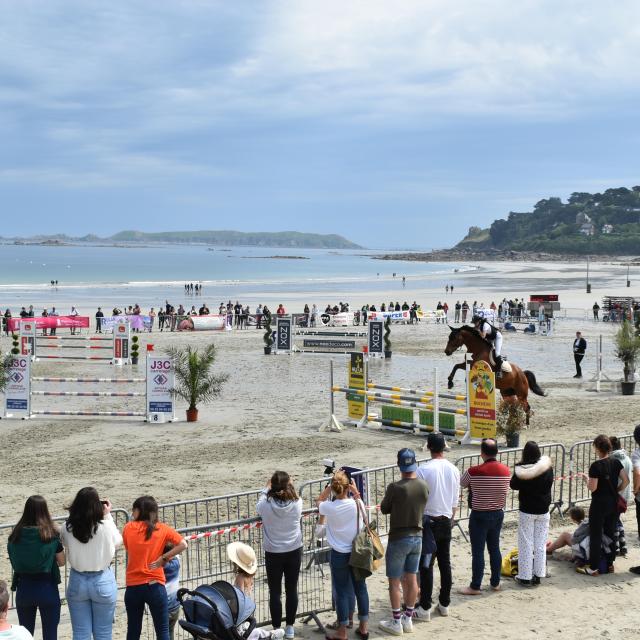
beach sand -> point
(269, 414)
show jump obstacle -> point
(398, 405)
(158, 394)
(327, 341)
(113, 349)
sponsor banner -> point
(28, 338)
(203, 323)
(121, 338)
(396, 316)
(160, 384)
(283, 334)
(140, 323)
(355, 403)
(376, 330)
(482, 401)
(343, 319)
(51, 322)
(17, 393)
(315, 343)
(490, 315)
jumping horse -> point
(512, 383)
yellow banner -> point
(482, 401)
(355, 370)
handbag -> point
(621, 503)
(366, 549)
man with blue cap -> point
(404, 501)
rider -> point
(491, 334)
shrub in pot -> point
(15, 347)
(195, 382)
(511, 419)
(268, 334)
(387, 340)
(627, 349)
(135, 349)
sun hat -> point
(244, 556)
(407, 460)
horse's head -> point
(455, 341)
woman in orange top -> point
(145, 539)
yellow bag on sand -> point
(510, 564)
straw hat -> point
(244, 556)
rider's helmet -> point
(476, 319)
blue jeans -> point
(155, 597)
(403, 556)
(484, 529)
(37, 593)
(91, 596)
(346, 586)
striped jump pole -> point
(90, 394)
(73, 346)
(84, 338)
(90, 380)
(417, 392)
(121, 414)
(331, 334)
(103, 358)
(403, 426)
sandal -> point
(587, 571)
(334, 626)
(361, 635)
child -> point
(172, 576)
(566, 539)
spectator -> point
(172, 576)
(9, 631)
(99, 316)
(488, 483)
(566, 539)
(443, 480)
(579, 349)
(281, 510)
(533, 479)
(405, 501)
(635, 461)
(145, 539)
(91, 538)
(36, 555)
(344, 520)
(620, 454)
(606, 477)
(596, 311)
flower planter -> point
(192, 415)
(267, 351)
(513, 440)
(628, 388)
(387, 354)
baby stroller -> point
(217, 611)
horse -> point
(512, 383)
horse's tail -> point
(533, 384)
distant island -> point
(276, 239)
(598, 224)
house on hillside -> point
(582, 218)
(607, 228)
(587, 229)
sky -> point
(396, 124)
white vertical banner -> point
(17, 394)
(28, 338)
(160, 384)
(121, 340)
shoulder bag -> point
(366, 549)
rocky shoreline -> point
(496, 255)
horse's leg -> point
(460, 365)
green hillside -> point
(600, 223)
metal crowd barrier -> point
(581, 456)
(510, 457)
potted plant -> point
(194, 380)
(15, 347)
(5, 363)
(511, 419)
(627, 348)
(387, 340)
(135, 349)
(268, 334)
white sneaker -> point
(394, 627)
(442, 610)
(289, 633)
(421, 614)
(407, 624)
(277, 634)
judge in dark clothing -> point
(579, 349)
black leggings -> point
(277, 565)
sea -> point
(88, 276)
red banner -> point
(52, 322)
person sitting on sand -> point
(573, 540)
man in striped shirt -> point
(488, 484)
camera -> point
(329, 466)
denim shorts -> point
(403, 556)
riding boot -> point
(498, 367)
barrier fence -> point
(211, 523)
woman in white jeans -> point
(91, 538)
(533, 479)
